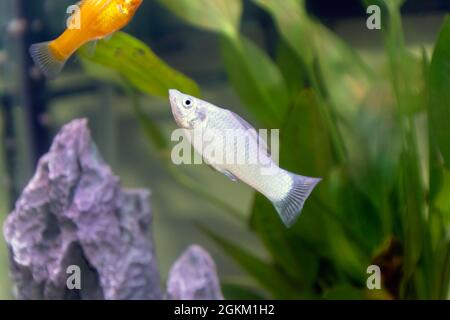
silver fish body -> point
(286, 190)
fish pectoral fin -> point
(227, 173)
(108, 37)
(90, 47)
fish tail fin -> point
(46, 60)
(290, 207)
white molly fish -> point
(287, 191)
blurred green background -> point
(354, 107)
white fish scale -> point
(275, 185)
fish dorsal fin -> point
(248, 126)
(244, 122)
(80, 3)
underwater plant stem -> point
(417, 253)
(445, 283)
(344, 225)
(385, 214)
(338, 143)
(31, 88)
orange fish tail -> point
(50, 57)
(47, 59)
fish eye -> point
(187, 103)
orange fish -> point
(96, 19)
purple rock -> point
(194, 277)
(74, 212)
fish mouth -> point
(173, 98)
(173, 94)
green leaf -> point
(289, 247)
(443, 268)
(137, 63)
(440, 93)
(374, 148)
(306, 142)
(291, 67)
(412, 199)
(256, 79)
(263, 272)
(214, 15)
(334, 68)
(405, 69)
(294, 25)
(442, 200)
(345, 77)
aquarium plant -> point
(378, 135)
